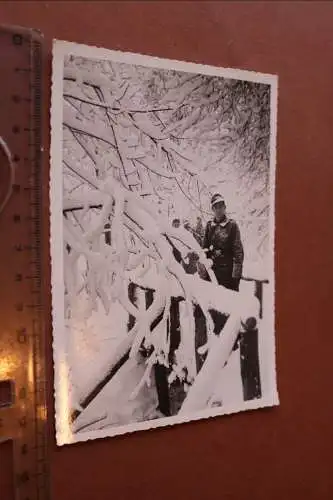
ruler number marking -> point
(27, 69)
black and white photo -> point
(162, 241)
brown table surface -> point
(281, 453)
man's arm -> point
(238, 253)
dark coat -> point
(223, 244)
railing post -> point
(131, 295)
(200, 335)
(161, 373)
(258, 292)
(249, 361)
(107, 233)
(174, 327)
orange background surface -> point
(273, 454)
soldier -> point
(223, 245)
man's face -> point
(219, 210)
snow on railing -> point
(238, 330)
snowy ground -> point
(92, 343)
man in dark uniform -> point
(223, 245)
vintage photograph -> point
(162, 241)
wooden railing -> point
(258, 290)
(246, 344)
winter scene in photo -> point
(162, 241)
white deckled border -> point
(61, 369)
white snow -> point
(127, 162)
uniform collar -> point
(221, 223)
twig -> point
(113, 108)
(84, 147)
(77, 173)
(89, 134)
(101, 96)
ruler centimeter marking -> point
(23, 408)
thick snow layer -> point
(135, 157)
(92, 344)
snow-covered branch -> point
(84, 127)
(134, 157)
(102, 105)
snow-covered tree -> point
(140, 146)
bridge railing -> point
(247, 344)
(170, 398)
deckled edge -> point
(272, 231)
(95, 52)
(60, 49)
(167, 422)
(63, 433)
